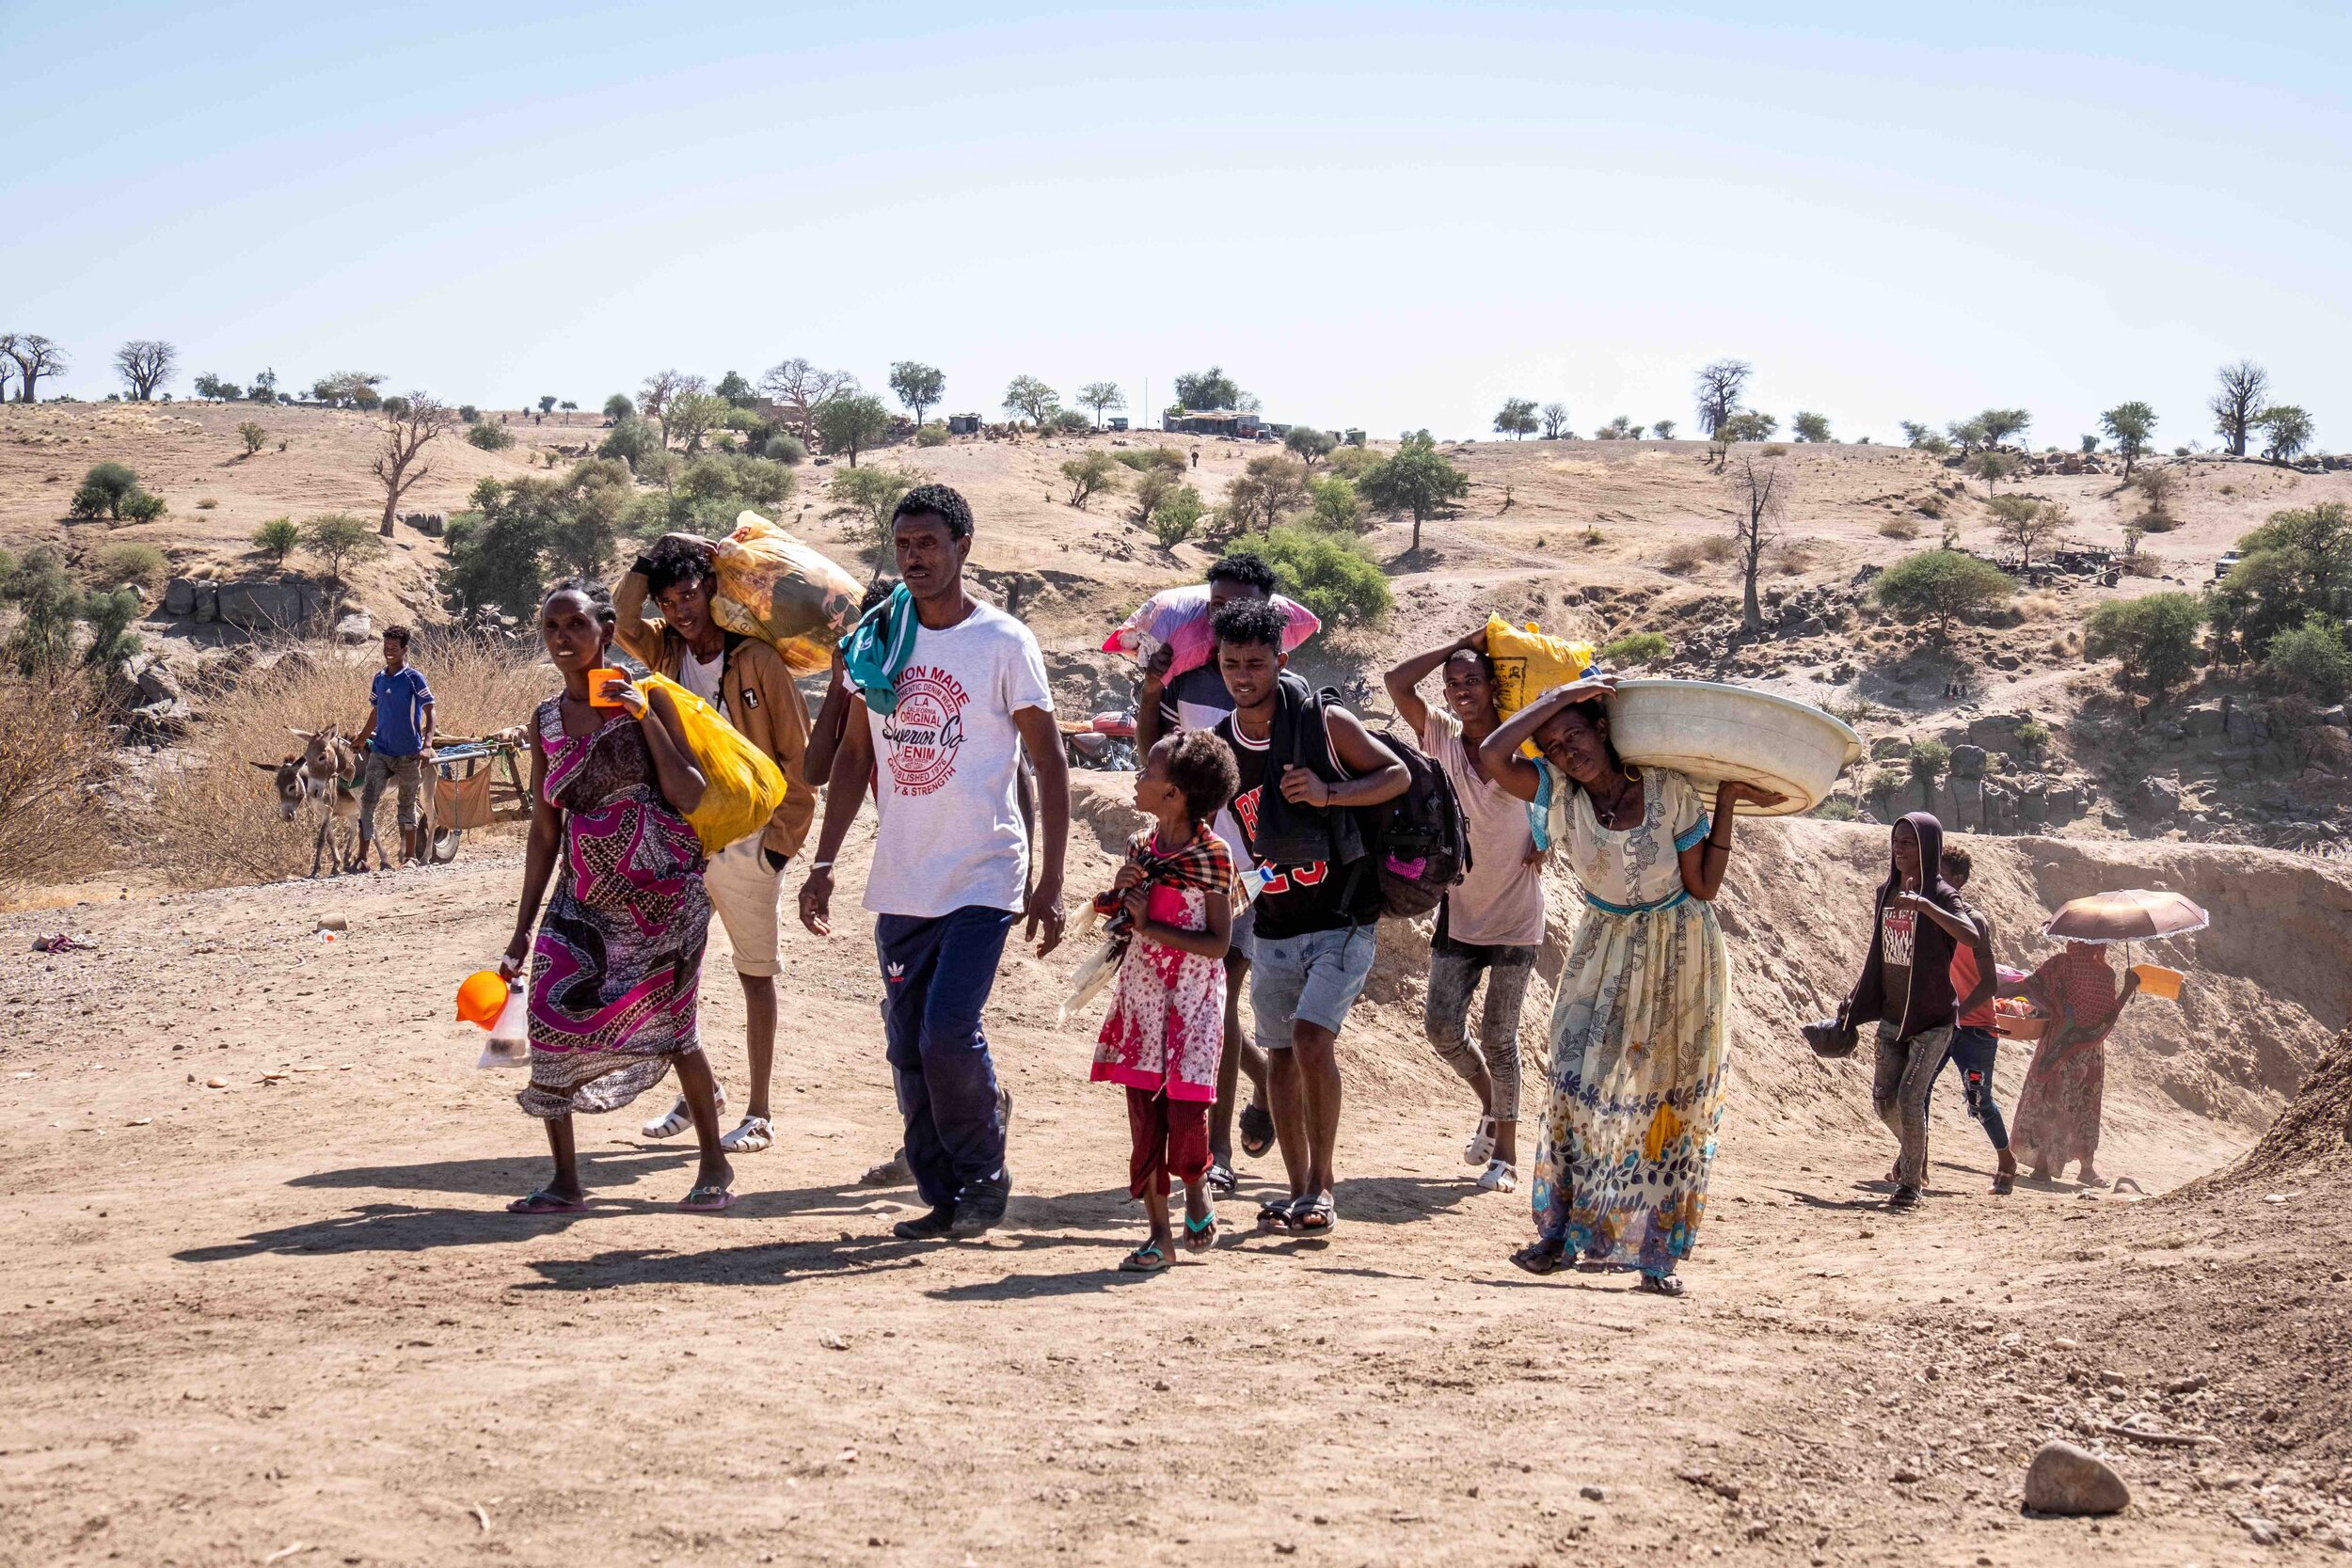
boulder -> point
(262, 605)
(207, 606)
(2033, 807)
(2063, 1479)
(156, 683)
(2243, 726)
(179, 598)
(1889, 747)
(1945, 801)
(2204, 722)
(1967, 762)
(2156, 797)
(1967, 805)
(168, 719)
(2000, 809)
(357, 627)
(2065, 803)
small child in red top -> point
(1174, 901)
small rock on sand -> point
(2064, 1478)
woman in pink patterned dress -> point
(1173, 901)
(616, 966)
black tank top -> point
(1298, 899)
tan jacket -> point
(761, 700)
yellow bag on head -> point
(741, 785)
(784, 592)
(1527, 663)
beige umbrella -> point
(2133, 914)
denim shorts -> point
(1316, 978)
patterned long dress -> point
(1639, 1043)
(2056, 1119)
(617, 964)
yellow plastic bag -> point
(741, 786)
(785, 592)
(1527, 663)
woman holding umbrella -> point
(2057, 1121)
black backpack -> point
(1419, 842)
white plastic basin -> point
(1714, 732)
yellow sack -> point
(1528, 664)
(741, 785)
(788, 594)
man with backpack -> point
(1308, 768)
(1492, 922)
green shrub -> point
(1928, 759)
(252, 435)
(2153, 638)
(2295, 566)
(1090, 475)
(143, 507)
(1349, 462)
(337, 539)
(104, 490)
(1178, 516)
(2033, 737)
(931, 435)
(1941, 586)
(1329, 573)
(1169, 458)
(1333, 504)
(123, 562)
(867, 498)
(633, 441)
(278, 538)
(1837, 808)
(1071, 422)
(469, 413)
(1640, 647)
(2311, 659)
(490, 438)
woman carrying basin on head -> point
(1639, 1041)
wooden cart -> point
(476, 782)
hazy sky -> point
(1382, 215)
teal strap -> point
(1605, 906)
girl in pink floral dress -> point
(1173, 900)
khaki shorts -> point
(745, 892)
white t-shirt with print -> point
(705, 680)
(947, 766)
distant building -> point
(1218, 422)
(963, 425)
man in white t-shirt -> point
(941, 739)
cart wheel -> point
(445, 845)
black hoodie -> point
(1931, 1001)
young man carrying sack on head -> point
(745, 679)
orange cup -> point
(480, 998)
(600, 682)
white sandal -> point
(1481, 1147)
(754, 1135)
(679, 1119)
(1501, 1177)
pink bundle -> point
(1178, 620)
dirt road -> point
(286, 1321)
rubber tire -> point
(445, 845)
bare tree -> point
(1759, 496)
(35, 357)
(145, 363)
(421, 419)
(804, 390)
(1721, 386)
(2237, 403)
(1555, 419)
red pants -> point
(1171, 1141)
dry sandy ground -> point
(286, 1320)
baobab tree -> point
(2237, 403)
(1555, 419)
(407, 433)
(145, 364)
(803, 391)
(1721, 385)
(36, 356)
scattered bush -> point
(143, 507)
(865, 497)
(1071, 422)
(790, 451)
(1333, 504)
(490, 438)
(469, 413)
(123, 562)
(1793, 557)
(1635, 648)
(633, 442)
(1837, 808)
(1941, 586)
(2033, 737)
(1329, 573)
(1898, 527)
(1144, 459)
(252, 435)
(1178, 516)
(931, 435)
(278, 539)
(1090, 475)
(207, 504)
(617, 407)
(53, 752)
(1351, 462)
(337, 539)
(1928, 759)
(1310, 446)
(2311, 660)
(1270, 489)
(104, 490)
(2297, 566)
(2153, 638)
